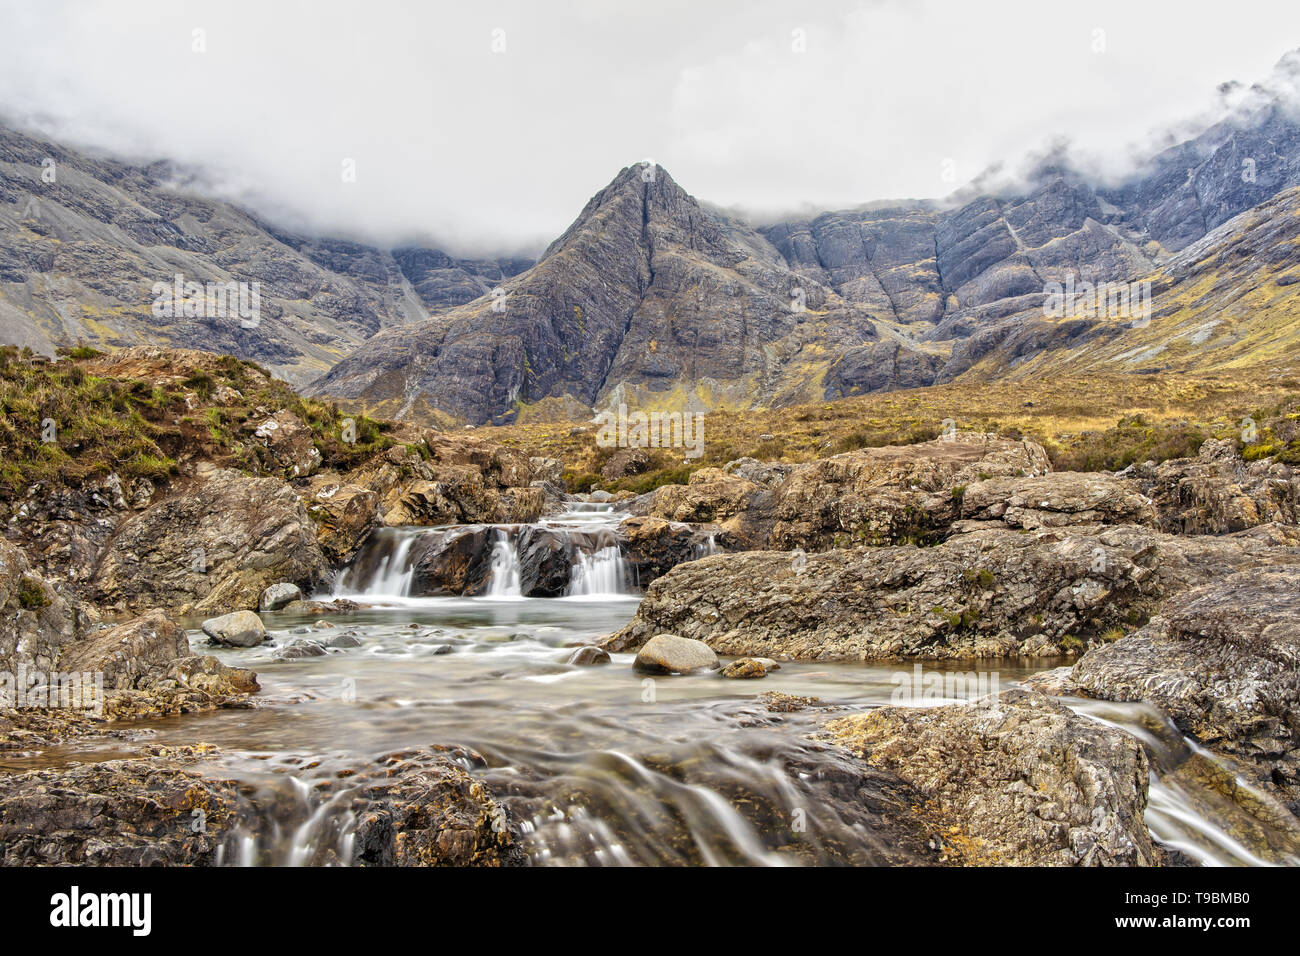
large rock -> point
(655, 546)
(1057, 499)
(237, 629)
(288, 444)
(1021, 778)
(452, 561)
(990, 593)
(142, 812)
(440, 479)
(128, 652)
(670, 654)
(36, 622)
(214, 544)
(1222, 662)
(1217, 492)
(893, 494)
(344, 514)
(278, 595)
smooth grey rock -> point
(586, 656)
(278, 595)
(670, 654)
(237, 629)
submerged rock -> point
(587, 656)
(748, 668)
(670, 654)
(237, 629)
(1016, 779)
(300, 648)
(412, 809)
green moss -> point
(30, 595)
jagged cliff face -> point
(646, 298)
(79, 257)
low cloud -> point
(484, 128)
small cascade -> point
(505, 582)
(710, 546)
(600, 572)
(384, 569)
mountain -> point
(652, 299)
(646, 298)
(657, 300)
(79, 257)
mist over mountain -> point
(650, 296)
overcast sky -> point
(486, 126)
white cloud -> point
(486, 151)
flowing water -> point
(601, 765)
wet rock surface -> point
(1019, 778)
(1222, 662)
(236, 629)
(173, 807)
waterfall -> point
(385, 570)
(710, 546)
(505, 569)
(600, 572)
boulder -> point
(237, 629)
(625, 462)
(213, 545)
(748, 668)
(1016, 778)
(670, 654)
(300, 648)
(451, 561)
(587, 656)
(278, 595)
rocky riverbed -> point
(434, 654)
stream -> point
(600, 765)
